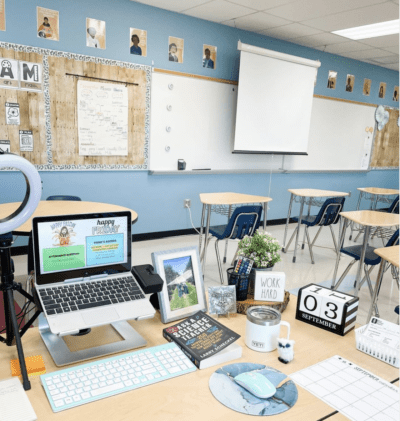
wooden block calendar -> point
(327, 309)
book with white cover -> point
(14, 402)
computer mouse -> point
(256, 384)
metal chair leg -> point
(304, 235)
(334, 238)
(291, 239)
(371, 291)
(219, 262)
(336, 286)
(226, 241)
(359, 233)
(342, 232)
(316, 235)
(309, 244)
(284, 248)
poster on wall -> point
(95, 33)
(102, 119)
(367, 87)
(175, 49)
(5, 146)
(382, 90)
(48, 24)
(26, 140)
(350, 83)
(396, 94)
(12, 114)
(332, 79)
(30, 75)
(209, 56)
(138, 42)
(9, 73)
(2, 15)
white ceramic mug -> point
(262, 328)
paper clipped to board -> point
(14, 402)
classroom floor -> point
(297, 274)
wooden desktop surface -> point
(188, 397)
(60, 207)
(372, 218)
(390, 254)
(317, 193)
(378, 191)
(231, 198)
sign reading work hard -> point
(19, 74)
(269, 286)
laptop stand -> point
(61, 354)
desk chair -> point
(371, 260)
(244, 221)
(396, 310)
(328, 215)
(31, 265)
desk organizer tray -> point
(377, 349)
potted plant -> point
(264, 249)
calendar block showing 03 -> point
(330, 310)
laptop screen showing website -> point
(81, 245)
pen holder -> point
(241, 283)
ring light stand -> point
(7, 284)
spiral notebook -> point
(14, 402)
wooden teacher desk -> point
(188, 397)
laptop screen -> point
(73, 246)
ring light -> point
(32, 196)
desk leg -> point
(358, 208)
(206, 238)
(342, 233)
(298, 228)
(304, 235)
(377, 288)
(201, 227)
(265, 205)
(362, 257)
(226, 241)
(287, 221)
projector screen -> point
(274, 102)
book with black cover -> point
(204, 340)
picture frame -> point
(183, 291)
(222, 300)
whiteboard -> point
(202, 129)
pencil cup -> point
(241, 283)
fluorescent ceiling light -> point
(370, 31)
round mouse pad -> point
(235, 397)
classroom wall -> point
(159, 199)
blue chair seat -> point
(307, 220)
(355, 252)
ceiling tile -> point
(259, 21)
(261, 4)
(364, 16)
(309, 9)
(344, 47)
(294, 30)
(393, 59)
(382, 42)
(394, 50)
(366, 54)
(174, 5)
(319, 39)
(392, 66)
(218, 11)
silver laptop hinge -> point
(102, 275)
(73, 280)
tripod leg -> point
(25, 380)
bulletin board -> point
(52, 115)
(386, 144)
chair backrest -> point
(244, 221)
(329, 212)
(394, 207)
(393, 240)
(62, 197)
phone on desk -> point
(149, 281)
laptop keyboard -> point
(84, 295)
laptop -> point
(82, 271)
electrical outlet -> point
(186, 203)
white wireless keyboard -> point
(103, 378)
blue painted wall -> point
(159, 199)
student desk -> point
(218, 202)
(367, 219)
(188, 397)
(307, 196)
(390, 255)
(375, 195)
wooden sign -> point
(330, 310)
(269, 286)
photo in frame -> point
(95, 33)
(332, 76)
(222, 300)
(382, 90)
(48, 24)
(367, 87)
(183, 291)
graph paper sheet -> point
(351, 390)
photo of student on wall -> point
(95, 33)
(48, 26)
(382, 90)
(350, 83)
(332, 80)
(2, 15)
(209, 57)
(396, 94)
(175, 49)
(367, 87)
(138, 42)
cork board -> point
(386, 144)
(52, 114)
